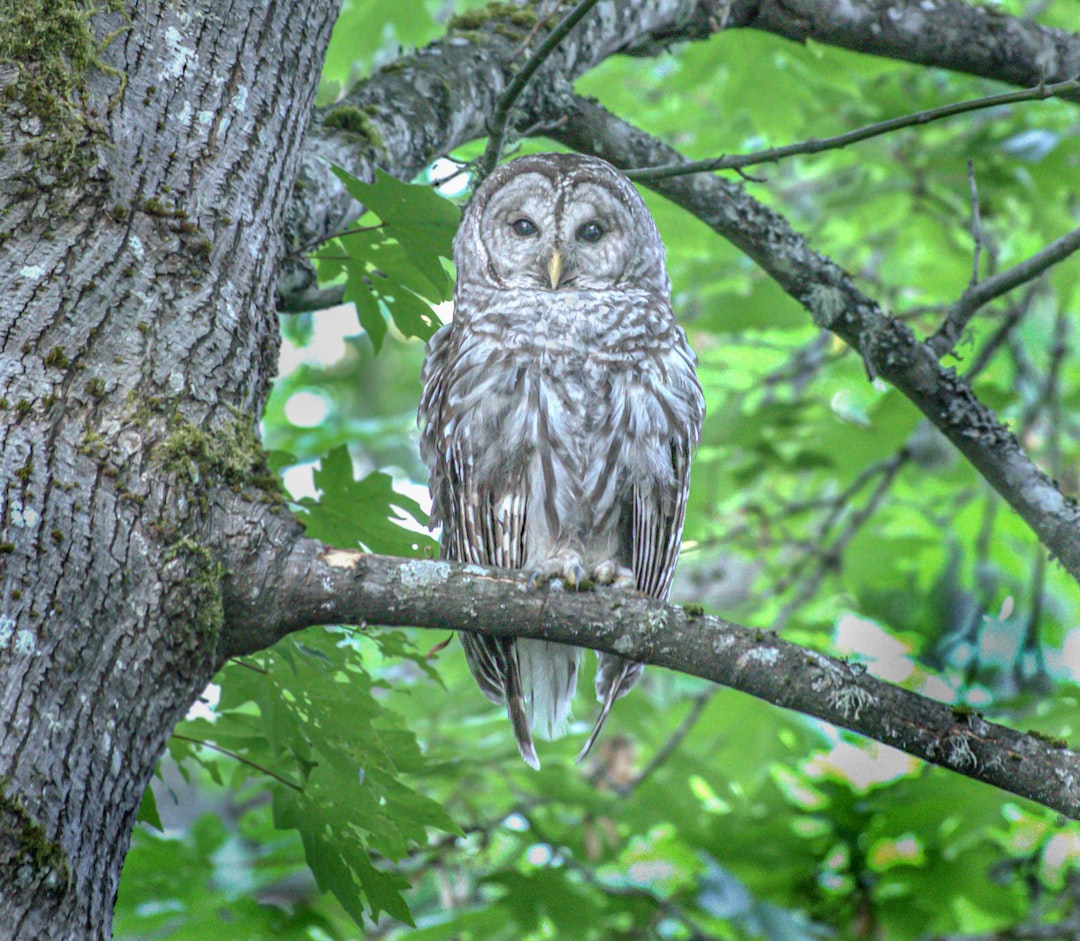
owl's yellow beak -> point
(555, 269)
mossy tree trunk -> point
(148, 154)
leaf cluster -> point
(393, 267)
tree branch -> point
(829, 294)
(332, 585)
(981, 293)
(426, 104)
(501, 115)
(948, 34)
(816, 146)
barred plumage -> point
(559, 412)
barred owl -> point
(559, 411)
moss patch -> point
(495, 14)
(51, 44)
(47, 857)
(231, 451)
(1052, 740)
(58, 358)
(356, 121)
(204, 608)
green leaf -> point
(421, 220)
(396, 265)
(361, 512)
(360, 290)
(148, 812)
(305, 723)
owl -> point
(559, 412)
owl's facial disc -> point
(598, 235)
(560, 233)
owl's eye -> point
(523, 227)
(589, 232)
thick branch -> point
(829, 294)
(949, 34)
(332, 585)
(424, 105)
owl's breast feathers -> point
(575, 398)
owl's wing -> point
(656, 525)
(488, 529)
(479, 525)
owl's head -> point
(559, 222)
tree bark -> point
(949, 34)
(142, 208)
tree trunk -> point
(148, 156)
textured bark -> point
(949, 34)
(351, 586)
(138, 547)
(140, 233)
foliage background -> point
(365, 764)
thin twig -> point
(814, 146)
(501, 116)
(985, 291)
(834, 504)
(462, 167)
(831, 556)
(814, 546)
(238, 661)
(1001, 335)
(665, 905)
(322, 239)
(240, 758)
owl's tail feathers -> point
(518, 713)
(615, 677)
(496, 667)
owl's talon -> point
(611, 573)
(574, 579)
(565, 568)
